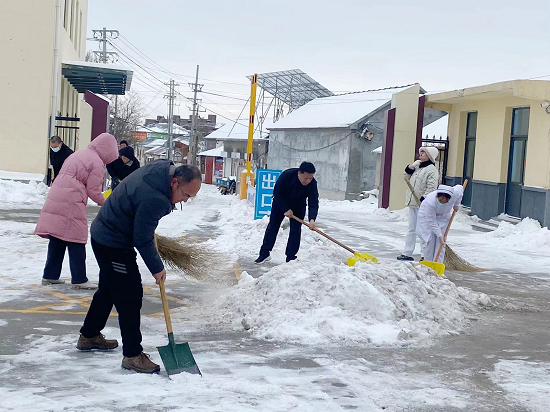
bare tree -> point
(91, 57)
(128, 117)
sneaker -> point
(262, 259)
(421, 259)
(406, 258)
(99, 342)
(85, 285)
(47, 282)
(141, 363)
(290, 258)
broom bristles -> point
(453, 261)
(189, 259)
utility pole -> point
(103, 36)
(171, 96)
(194, 140)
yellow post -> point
(246, 177)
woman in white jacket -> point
(424, 178)
(433, 218)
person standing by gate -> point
(292, 189)
(424, 177)
(59, 152)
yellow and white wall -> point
(28, 28)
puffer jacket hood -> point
(105, 146)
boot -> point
(405, 258)
(85, 285)
(98, 342)
(47, 282)
(141, 363)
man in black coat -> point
(123, 166)
(128, 220)
(58, 154)
(292, 189)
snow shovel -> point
(176, 357)
(357, 256)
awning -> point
(98, 78)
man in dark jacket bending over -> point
(291, 190)
(128, 220)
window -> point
(66, 14)
(79, 49)
(71, 23)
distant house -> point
(234, 139)
(154, 147)
(338, 134)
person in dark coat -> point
(292, 189)
(123, 166)
(128, 220)
(59, 152)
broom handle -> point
(449, 225)
(411, 188)
(165, 307)
(323, 234)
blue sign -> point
(265, 183)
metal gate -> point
(443, 147)
(67, 128)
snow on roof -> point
(335, 111)
(163, 128)
(98, 65)
(216, 152)
(239, 131)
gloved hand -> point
(414, 165)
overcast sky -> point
(345, 45)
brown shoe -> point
(141, 363)
(99, 342)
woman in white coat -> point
(424, 178)
(433, 217)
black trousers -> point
(56, 254)
(275, 220)
(119, 285)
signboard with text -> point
(265, 183)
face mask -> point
(441, 204)
(129, 163)
(56, 149)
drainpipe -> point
(56, 74)
(55, 89)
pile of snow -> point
(368, 206)
(527, 232)
(319, 299)
(18, 195)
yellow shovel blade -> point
(107, 193)
(361, 257)
(437, 267)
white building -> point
(43, 44)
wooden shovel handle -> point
(411, 188)
(323, 234)
(449, 225)
(165, 307)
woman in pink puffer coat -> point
(63, 217)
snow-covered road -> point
(312, 335)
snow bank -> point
(368, 206)
(319, 299)
(527, 232)
(18, 195)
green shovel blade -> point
(177, 357)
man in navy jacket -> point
(127, 221)
(292, 189)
